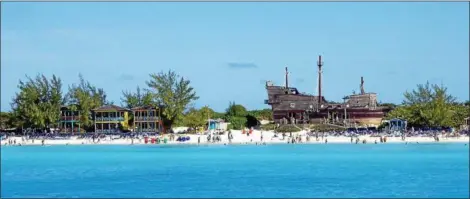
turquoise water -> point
(333, 170)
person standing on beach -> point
(42, 142)
(198, 140)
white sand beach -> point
(238, 138)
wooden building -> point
(69, 120)
(110, 119)
(466, 125)
(289, 106)
(147, 119)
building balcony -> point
(148, 118)
(109, 119)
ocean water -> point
(320, 170)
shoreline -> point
(256, 138)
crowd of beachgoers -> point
(239, 137)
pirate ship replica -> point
(289, 106)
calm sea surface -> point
(332, 170)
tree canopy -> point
(430, 106)
(38, 102)
(263, 114)
(173, 93)
(132, 100)
(84, 97)
(195, 118)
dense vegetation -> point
(38, 102)
(431, 106)
(37, 105)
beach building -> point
(69, 120)
(110, 119)
(466, 124)
(147, 119)
(217, 124)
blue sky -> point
(229, 49)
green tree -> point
(5, 120)
(235, 110)
(207, 113)
(237, 123)
(264, 114)
(194, 118)
(173, 93)
(85, 97)
(429, 105)
(38, 102)
(389, 105)
(218, 115)
(236, 114)
(132, 100)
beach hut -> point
(217, 124)
(397, 124)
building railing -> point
(148, 118)
(109, 119)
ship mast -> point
(362, 86)
(319, 64)
(287, 78)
